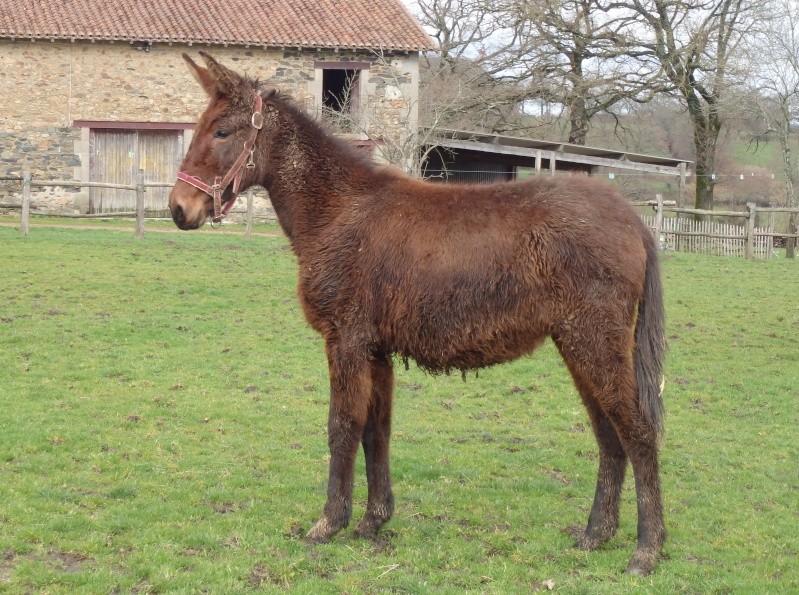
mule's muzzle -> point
(188, 210)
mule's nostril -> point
(178, 216)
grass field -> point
(162, 429)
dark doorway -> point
(340, 90)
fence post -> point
(250, 213)
(26, 202)
(658, 218)
(750, 231)
(681, 200)
(770, 239)
(140, 204)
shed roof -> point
(524, 147)
(356, 24)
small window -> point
(340, 90)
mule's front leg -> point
(350, 391)
(376, 437)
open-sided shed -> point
(463, 156)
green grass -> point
(162, 429)
(766, 154)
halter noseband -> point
(235, 172)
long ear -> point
(227, 82)
(202, 75)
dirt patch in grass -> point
(261, 576)
(383, 543)
(7, 563)
(66, 561)
(573, 531)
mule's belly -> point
(453, 344)
(471, 358)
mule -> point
(455, 277)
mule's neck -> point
(311, 176)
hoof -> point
(587, 543)
(638, 570)
(368, 527)
(592, 542)
(321, 532)
(312, 538)
(641, 564)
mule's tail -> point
(650, 341)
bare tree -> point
(470, 82)
(697, 43)
(578, 58)
(777, 82)
(584, 56)
(465, 27)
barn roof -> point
(355, 24)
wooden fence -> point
(706, 236)
(711, 237)
(682, 234)
(140, 187)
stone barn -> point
(96, 91)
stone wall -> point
(46, 87)
(49, 152)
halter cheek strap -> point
(236, 171)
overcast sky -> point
(412, 6)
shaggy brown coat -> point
(455, 277)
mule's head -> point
(218, 144)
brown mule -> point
(456, 277)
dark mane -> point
(323, 133)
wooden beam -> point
(558, 156)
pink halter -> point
(236, 170)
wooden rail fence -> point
(139, 187)
(687, 234)
(674, 233)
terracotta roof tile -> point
(363, 24)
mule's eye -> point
(221, 133)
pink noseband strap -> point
(236, 171)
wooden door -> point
(116, 156)
(159, 155)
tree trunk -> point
(704, 185)
(706, 126)
(790, 195)
(790, 243)
(704, 170)
(578, 121)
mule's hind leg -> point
(604, 517)
(606, 367)
(350, 392)
(376, 437)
